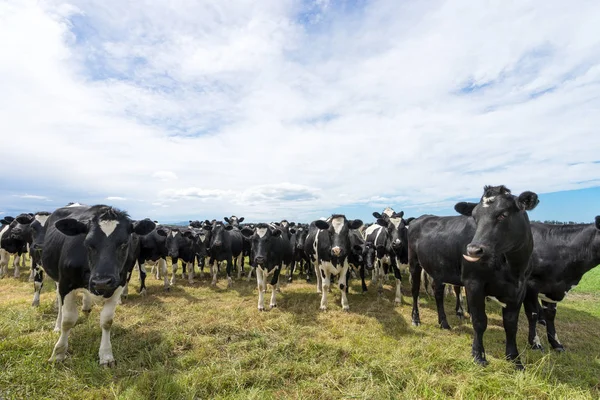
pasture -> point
(199, 342)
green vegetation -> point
(201, 342)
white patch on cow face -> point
(388, 211)
(497, 301)
(396, 222)
(261, 232)
(284, 224)
(202, 238)
(108, 227)
(41, 219)
(487, 200)
(338, 224)
(173, 233)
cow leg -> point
(438, 291)
(343, 282)
(240, 264)
(380, 274)
(325, 282)
(213, 270)
(86, 307)
(190, 267)
(229, 270)
(38, 283)
(183, 268)
(68, 319)
(250, 272)
(319, 277)
(308, 266)
(460, 313)
(531, 311)
(415, 273)
(16, 262)
(275, 286)
(142, 279)
(260, 282)
(398, 276)
(510, 318)
(162, 265)
(362, 278)
(3, 263)
(107, 315)
(59, 310)
(291, 271)
(174, 266)
(550, 314)
(476, 301)
(32, 273)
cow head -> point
(218, 234)
(369, 253)
(502, 221)
(262, 238)
(338, 228)
(301, 234)
(38, 231)
(234, 221)
(20, 227)
(107, 237)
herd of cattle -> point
(491, 250)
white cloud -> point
(273, 109)
(31, 196)
(116, 198)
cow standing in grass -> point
(86, 248)
(225, 245)
(328, 245)
(562, 254)
(15, 239)
(268, 257)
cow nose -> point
(474, 252)
(259, 260)
(103, 284)
(336, 251)
(217, 244)
(397, 242)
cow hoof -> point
(57, 358)
(542, 322)
(346, 309)
(537, 346)
(319, 292)
(323, 308)
(143, 292)
(481, 362)
(167, 289)
(124, 297)
(416, 323)
(261, 308)
(398, 301)
(559, 349)
(273, 305)
(519, 365)
(461, 317)
(35, 303)
(290, 279)
(445, 325)
(30, 279)
(108, 364)
(56, 329)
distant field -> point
(199, 342)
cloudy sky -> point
(280, 108)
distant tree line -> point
(551, 221)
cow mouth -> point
(471, 258)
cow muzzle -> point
(259, 260)
(474, 252)
(336, 251)
(103, 285)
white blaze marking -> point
(497, 301)
(388, 211)
(338, 224)
(202, 238)
(396, 222)
(42, 219)
(487, 200)
(261, 232)
(108, 227)
(173, 233)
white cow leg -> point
(342, 282)
(260, 282)
(16, 265)
(380, 277)
(319, 277)
(106, 320)
(68, 320)
(214, 269)
(87, 302)
(31, 274)
(162, 265)
(190, 271)
(398, 299)
(3, 263)
(174, 271)
(275, 289)
(59, 313)
(240, 264)
(326, 286)
(250, 268)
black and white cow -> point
(234, 221)
(328, 245)
(181, 244)
(225, 245)
(153, 251)
(201, 249)
(86, 248)
(357, 255)
(300, 258)
(497, 261)
(268, 254)
(4, 256)
(38, 236)
(15, 239)
(562, 254)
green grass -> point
(199, 342)
(590, 282)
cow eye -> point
(502, 216)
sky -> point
(275, 109)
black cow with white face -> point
(225, 245)
(234, 221)
(268, 254)
(38, 236)
(300, 258)
(181, 244)
(328, 245)
(15, 239)
(497, 261)
(562, 254)
(87, 248)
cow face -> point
(369, 255)
(38, 232)
(338, 228)
(234, 221)
(262, 238)
(397, 231)
(301, 234)
(218, 235)
(502, 221)
(20, 228)
(106, 241)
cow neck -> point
(516, 258)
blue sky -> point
(297, 109)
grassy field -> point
(206, 343)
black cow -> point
(497, 261)
(15, 239)
(4, 256)
(86, 248)
(203, 235)
(562, 254)
(153, 251)
(234, 221)
(268, 257)
(225, 244)
(38, 235)
(357, 255)
(181, 244)
(239, 262)
(300, 258)
(328, 245)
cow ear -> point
(207, 222)
(228, 227)
(276, 232)
(321, 224)
(4, 222)
(409, 220)
(292, 224)
(465, 208)
(8, 220)
(355, 224)
(189, 234)
(207, 227)
(156, 222)
(400, 214)
(598, 222)
(527, 201)
(226, 219)
(382, 222)
(292, 231)
(358, 248)
(162, 232)
(143, 227)
(377, 215)
(71, 227)
(247, 231)
(240, 220)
